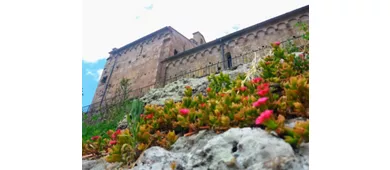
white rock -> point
(237, 148)
(174, 90)
(99, 164)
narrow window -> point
(175, 52)
(229, 60)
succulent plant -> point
(281, 91)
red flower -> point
(268, 62)
(277, 43)
(95, 138)
(262, 100)
(113, 142)
(267, 114)
(187, 87)
(184, 111)
(265, 85)
(256, 80)
(266, 89)
(256, 104)
(149, 116)
(243, 88)
(202, 105)
(263, 92)
(259, 120)
(118, 132)
(263, 116)
(208, 89)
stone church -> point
(166, 55)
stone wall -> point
(178, 44)
(209, 55)
(137, 63)
(140, 62)
(166, 55)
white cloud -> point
(99, 72)
(149, 7)
(89, 73)
(95, 74)
(109, 24)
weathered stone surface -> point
(236, 149)
(175, 90)
(100, 164)
(89, 164)
(122, 124)
(139, 62)
(240, 48)
(159, 158)
(291, 122)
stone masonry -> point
(155, 59)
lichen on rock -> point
(237, 148)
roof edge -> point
(179, 33)
(237, 33)
(138, 40)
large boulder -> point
(237, 148)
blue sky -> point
(91, 75)
(113, 24)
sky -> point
(115, 23)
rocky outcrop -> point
(236, 149)
(99, 164)
(122, 124)
(175, 90)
